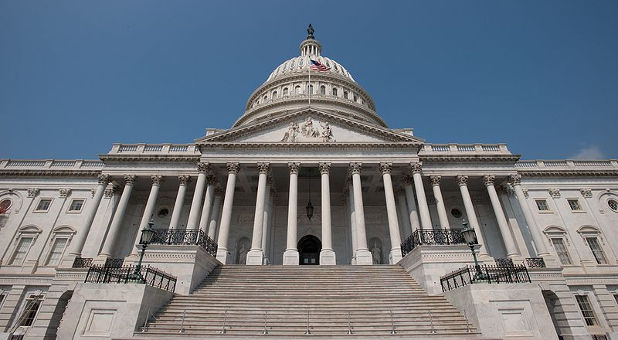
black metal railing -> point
(535, 262)
(487, 274)
(433, 236)
(82, 262)
(504, 262)
(126, 274)
(185, 237)
(113, 263)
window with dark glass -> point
(584, 306)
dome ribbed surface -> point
(301, 64)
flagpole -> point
(309, 85)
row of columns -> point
(205, 207)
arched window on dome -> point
(311, 89)
(345, 94)
(355, 98)
(274, 94)
(285, 91)
(335, 91)
(297, 89)
(323, 90)
(265, 98)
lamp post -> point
(144, 241)
(470, 236)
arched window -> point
(334, 91)
(297, 89)
(311, 89)
(355, 98)
(265, 97)
(345, 94)
(323, 90)
(274, 94)
(285, 91)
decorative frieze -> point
(307, 131)
(33, 192)
(554, 192)
(586, 192)
(64, 192)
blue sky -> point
(77, 76)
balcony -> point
(431, 237)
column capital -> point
(211, 179)
(263, 167)
(203, 167)
(129, 179)
(103, 178)
(554, 192)
(462, 180)
(435, 180)
(32, 192)
(324, 168)
(586, 192)
(233, 168)
(219, 191)
(525, 192)
(407, 179)
(489, 180)
(156, 179)
(515, 179)
(386, 167)
(184, 179)
(269, 179)
(355, 167)
(64, 192)
(294, 167)
(416, 168)
(109, 192)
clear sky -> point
(77, 76)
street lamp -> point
(470, 237)
(144, 240)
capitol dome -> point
(295, 85)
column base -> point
(364, 257)
(394, 256)
(291, 258)
(222, 255)
(255, 257)
(327, 257)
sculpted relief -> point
(307, 131)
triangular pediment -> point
(310, 126)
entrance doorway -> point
(309, 250)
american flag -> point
(315, 65)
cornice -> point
(299, 145)
(469, 158)
(150, 158)
(568, 173)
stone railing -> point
(154, 149)
(464, 149)
(53, 164)
(567, 164)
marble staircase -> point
(291, 301)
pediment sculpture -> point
(307, 131)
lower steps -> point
(293, 301)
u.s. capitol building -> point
(310, 174)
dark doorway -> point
(309, 250)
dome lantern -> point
(310, 46)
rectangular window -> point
(574, 204)
(542, 205)
(561, 250)
(20, 252)
(33, 302)
(56, 251)
(76, 205)
(43, 205)
(597, 251)
(586, 308)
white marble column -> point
(537, 237)
(406, 227)
(327, 254)
(148, 210)
(226, 212)
(420, 196)
(255, 256)
(363, 255)
(291, 256)
(415, 224)
(503, 225)
(208, 204)
(114, 229)
(194, 213)
(391, 211)
(350, 189)
(80, 239)
(216, 212)
(437, 194)
(462, 181)
(266, 224)
(180, 201)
